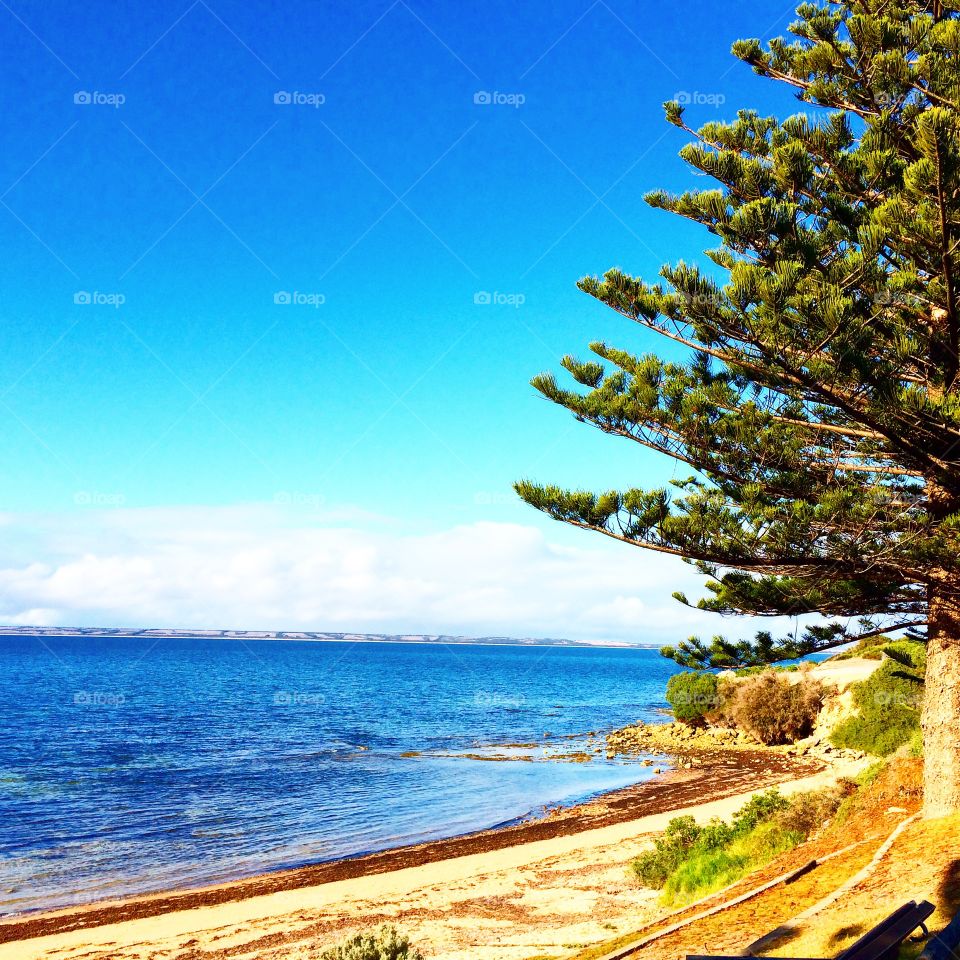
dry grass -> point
(771, 708)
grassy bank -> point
(690, 861)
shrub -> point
(653, 867)
(767, 841)
(773, 709)
(692, 695)
(888, 703)
(908, 653)
(806, 813)
(874, 648)
(382, 944)
(684, 841)
(758, 809)
(690, 861)
(869, 649)
(707, 871)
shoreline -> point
(721, 774)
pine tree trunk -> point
(941, 709)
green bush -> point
(653, 867)
(382, 944)
(875, 647)
(692, 695)
(871, 649)
(707, 871)
(690, 861)
(684, 839)
(771, 708)
(758, 809)
(908, 653)
(767, 841)
(888, 703)
(808, 812)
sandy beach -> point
(542, 887)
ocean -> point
(133, 765)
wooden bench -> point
(882, 942)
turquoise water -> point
(129, 765)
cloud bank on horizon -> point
(265, 567)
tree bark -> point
(941, 707)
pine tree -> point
(819, 408)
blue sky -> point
(184, 201)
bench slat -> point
(885, 937)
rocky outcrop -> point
(691, 745)
(673, 737)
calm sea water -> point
(129, 765)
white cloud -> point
(268, 567)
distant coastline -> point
(160, 633)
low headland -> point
(319, 636)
